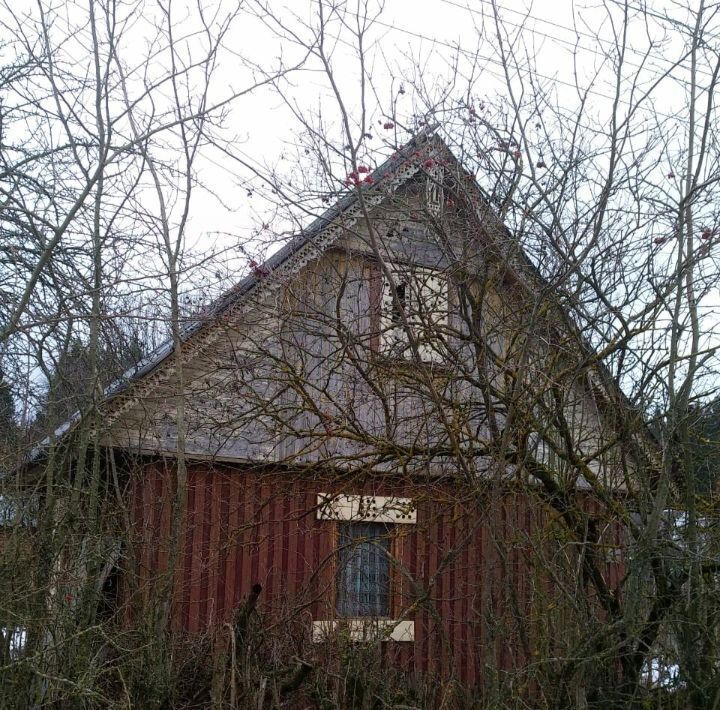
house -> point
(394, 430)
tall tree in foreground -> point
(99, 100)
(614, 204)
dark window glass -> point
(401, 291)
(363, 582)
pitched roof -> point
(280, 257)
(404, 163)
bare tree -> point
(612, 201)
(505, 288)
(97, 104)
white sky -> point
(409, 38)
(567, 40)
(558, 34)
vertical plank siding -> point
(473, 574)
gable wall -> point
(306, 386)
(299, 381)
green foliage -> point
(8, 425)
(697, 440)
(75, 379)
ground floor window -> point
(363, 572)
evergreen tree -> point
(71, 384)
(704, 441)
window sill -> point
(406, 359)
(364, 629)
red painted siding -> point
(474, 570)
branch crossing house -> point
(380, 426)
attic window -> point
(434, 190)
(419, 304)
(400, 303)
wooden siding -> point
(298, 389)
(473, 573)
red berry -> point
(659, 240)
(706, 234)
(369, 180)
(258, 269)
(363, 169)
(429, 163)
(517, 155)
(671, 175)
(388, 125)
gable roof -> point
(303, 247)
(263, 273)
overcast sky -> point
(567, 43)
(561, 44)
(408, 38)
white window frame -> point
(425, 301)
(365, 508)
(434, 192)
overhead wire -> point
(572, 30)
(492, 60)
